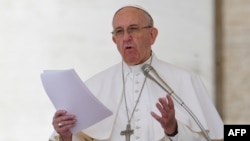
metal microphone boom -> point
(151, 73)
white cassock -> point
(107, 86)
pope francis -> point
(143, 111)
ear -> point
(154, 33)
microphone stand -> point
(146, 69)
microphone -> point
(151, 73)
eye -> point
(133, 29)
(118, 31)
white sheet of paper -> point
(67, 91)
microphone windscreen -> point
(146, 69)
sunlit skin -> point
(137, 49)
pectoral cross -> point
(128, 132)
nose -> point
(127, 36)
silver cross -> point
(128, 132)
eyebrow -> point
(128, 26)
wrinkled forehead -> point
(132, 12)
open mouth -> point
(128, 47)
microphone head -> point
(146, 69)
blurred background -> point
(209, 37)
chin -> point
(132, 62)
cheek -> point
(117, 45)
(120, 49)
(143, 46)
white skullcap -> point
(137, 7)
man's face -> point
(133, 35)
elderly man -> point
(141, 109)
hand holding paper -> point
(67, 92)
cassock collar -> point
(135, 69)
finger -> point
(165, 104)
(157, 117)
(59, 113)
(67, 122)
(163, 101)
(63, 118)
(65, 128)
(170, 102)
(161, 109)
(65, 125)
